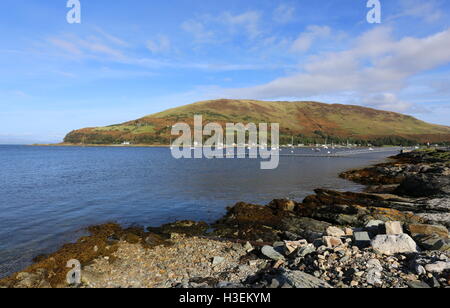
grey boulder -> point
(393, 244)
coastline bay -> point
(51, 194)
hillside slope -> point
(307, 122)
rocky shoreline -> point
(393, 235)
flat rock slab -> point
(418, 285)
(271, 253)
(301, 280)
(442, 205)
(417, 229)
(436, 218)
(362, 239)
(433, 242)
(437, 267)
(305, 223)
(393, 244)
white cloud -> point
(219, 28)
(390, 101)
(97, 47)
(111, 38)
(20, 94)
(159, 44)
(198, 30)
(427, 10)
(85, 47)
(249, 21)
(375, 64)
(284, 14)
(77, 48)
(66, 45)
(386, 101)
(306, 39)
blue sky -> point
(130, 58)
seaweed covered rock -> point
(250, 222)
(283, 205)
(383, 174)
(356, 209)
(425, 185)
(186, 227)
(245, 213)
(268, 223)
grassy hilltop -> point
(307, 122)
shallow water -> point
(48, 195)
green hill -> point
(307, 122)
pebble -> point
(248, 247)
(420, 270)
(375, 264)
(218, 260)
(292, 246)
(348, 232)
(332, 241)
(374, 277)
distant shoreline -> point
(101, 145)
(167, 146)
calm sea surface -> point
(48, 195)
